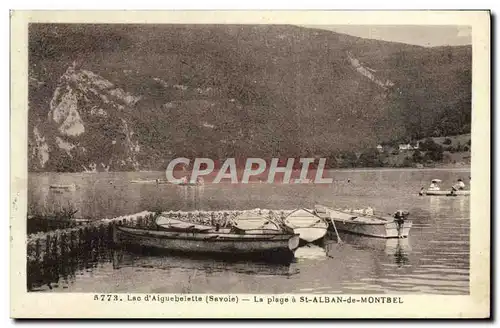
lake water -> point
(434, 259)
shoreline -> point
(356, 169)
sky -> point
(427, 36)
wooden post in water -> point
(37, 250)
(72, 240)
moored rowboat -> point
(180, 225)
(250, 222)
(244, 224)
(368, 225)
(308, 225)
(216, 243)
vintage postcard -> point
(250, 164)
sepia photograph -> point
(332, 162)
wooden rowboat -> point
(307, 224)
(367, 225)
(251, 222)
(180, 225)
(244, 225)
(214, 243)
(444, 193)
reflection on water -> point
(124, 259)
(357, 265)
(434, 259)
(310, 252)
(192, 195)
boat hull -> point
(367, 225)
(379, 230)
(445, 193)
(222, 244)
(309, 226)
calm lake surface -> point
(434, 259)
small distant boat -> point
(143, 181)
(307, 224)
(434, 190)
(368, 225)
(68, 187)
(187, 184)
(277, 246)
(444, 193)
(154, 181)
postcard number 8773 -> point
(106, 298)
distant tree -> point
(417, 156)
(434, 155)
(370, 158)
(390, 143)
(331, 161)
(404, 140)
(407, 162)
(349, 159)
(430, 145)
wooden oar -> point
(336, 232)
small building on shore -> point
(404, 147)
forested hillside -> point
(130, 97)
